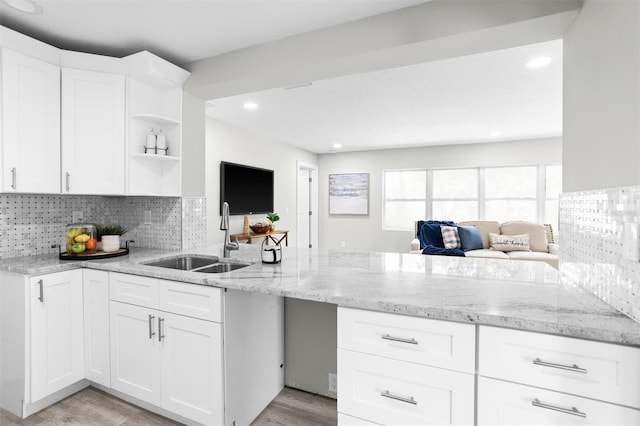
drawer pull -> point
(407, 399)
(151, 332)
(411, 341)
(573, 367)
(573, 410)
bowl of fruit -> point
(82, 238)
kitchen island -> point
(417, 323)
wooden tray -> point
(97, 255)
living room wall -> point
(365, 232)
(225, 142)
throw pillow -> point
(450, 237)
(509, 242)
(470, 237)
(429, 232)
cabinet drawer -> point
(344, 420)
(134, 289)
(596, 370)
(391, 392)
(421, 340)
(190, 299)
(510, 404)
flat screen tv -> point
(247, 189)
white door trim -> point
(313, 203)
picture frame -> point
(349, 194)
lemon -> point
(82, 238)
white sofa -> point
(541, 241)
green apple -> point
(78, 248)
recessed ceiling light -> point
(26, 6)
(495, 134)
(250, 105)
(337, 146)
(540, 62)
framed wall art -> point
(349, 194)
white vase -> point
(110, 243)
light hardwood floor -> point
(91, 407)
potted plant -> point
(109, 235)
(273, 218)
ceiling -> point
(479, 98)
(182, 31)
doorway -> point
(307, 205)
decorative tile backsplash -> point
(30, 224)
(591, 244)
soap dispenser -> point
(150, 147)
(161, 143)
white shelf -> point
(156, 119)
(158, 157)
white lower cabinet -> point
(56, 338)
(511, 404)
(345, 420)
(135, 354)
(169, 360)
(392, 392)
(402, 370)
(530, 378)
(191, 368)
(97, 367)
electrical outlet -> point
(333, 383)
(77, 216)
(147, 217)
(343, 244)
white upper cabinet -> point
(93, 132)
(30, 124)
(154, 102)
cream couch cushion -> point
(551, 259)
(486, 253)
(485, 227)
(537, 234)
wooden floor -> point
(91, 407)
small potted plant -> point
(273, 218)
(109, 235)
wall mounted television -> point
(247, 189)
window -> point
(511, 193)
(405, 197)
(484, 193)
(455, 194)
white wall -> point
(365, 232)
(229, 143)
(193, 146)
(602, 96)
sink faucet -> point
(224, 226)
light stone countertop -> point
(515, 294)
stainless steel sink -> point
(195, 263)
(221, 267)
(184, 263)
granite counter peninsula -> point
(408, 326)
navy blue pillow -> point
(429, 232)
(470, 238)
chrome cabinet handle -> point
(573, 410)
(160, 329)
(41, 297)
(573, 367)
(14, 173)
(151, 332)
(411, 341)
(67, 176)
(407, 399)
